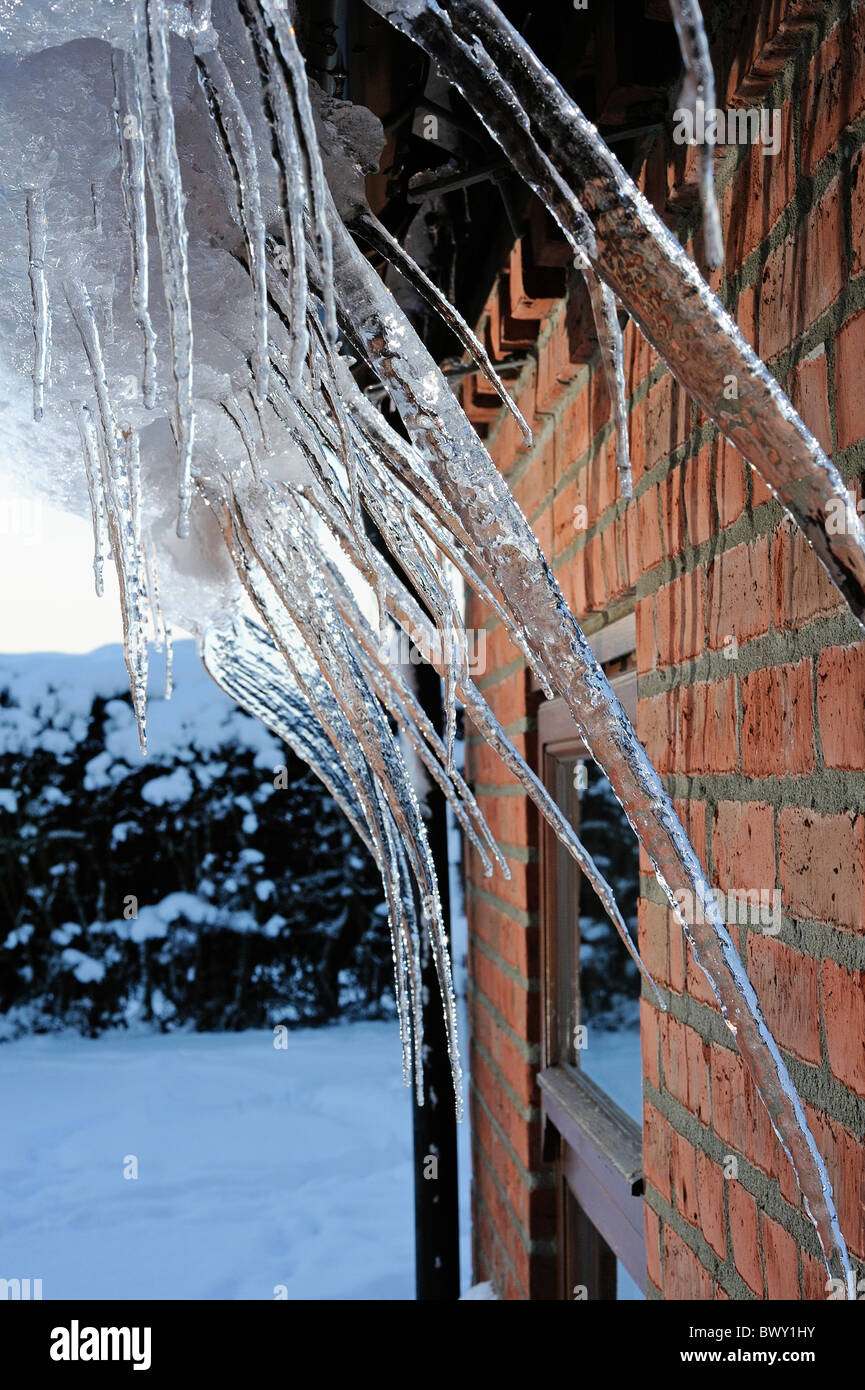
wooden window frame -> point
(598, 1146)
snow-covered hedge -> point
(213, 884)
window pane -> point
(626, 1288)
(609, 982)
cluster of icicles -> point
(315, 668)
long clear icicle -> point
(649, 272)
(37, 242)
(129, 122)
(151, 68)
(295, 190)
(246, 663)
(476, 490)
(294, 64)
(612, 348)
(90, 451)
(119, 466)
(234, 124)
(407, 612)
(698, 91)
(367, 225)
(298, 589)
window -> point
(591, 1079)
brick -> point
(844, 1014)
(685, 1180)
(649, 530)
(857, 190)
(730, 485)
(801, 588)
(649, 1043)
(743, 845)
(760, 493)
(822, 867)
(679, 619)
(684, 1276)
(692, 814)
(781, 1259)
(746, 313)
(685, 1056)
(666, 420)
(710, 1185)
(792, 295)
(646, 641)
(767, 38)
(809, 392)
(745, 1236)
(761, 190)
(833, 95)
(658, 729)
(738, 1114)
(778, 721)
(517, 946)
(632, 546)
(537, 482)
(736, 590)
(842, 1152)
(657, 1151)
(654, 939)
(849, 355)
(698, 496)
(708, 728)
(841, 706)
(653, 1245)
(815, 1280)
(698, 986)
(673, 513)
(786, 985)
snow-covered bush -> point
(214, 884)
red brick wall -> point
(763, 753)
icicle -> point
(414, 622)
(245, 662)
(129, 522)
(295, 192)
(274, 567)
(151, 68)
(97, 193)
(698, 91)
(90, 450)
(382, 444)
(130, 136)
(367, 225)
(291, 56)
(239, 420)
(642, 262)
(479, 494)
(603, 303)
(161, 631)
(121, 492)
(37, 237)
(239, 144)
(169, 662)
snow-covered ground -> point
(257, 1167)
